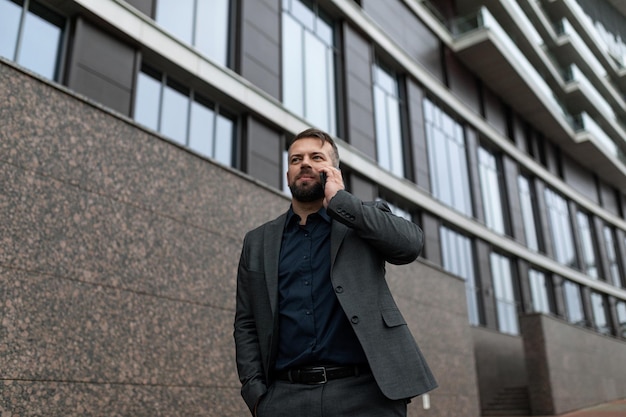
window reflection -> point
(31, 35)
(174, 112)
(587, 244)
(308, 72)
(506, 305)
(560, 229)
(527, 207)
(184, 116)
(539, 291)
(203, 24)
(611, 254)
(458, 259)
(387, 121)
(573, 303)
(446, 158)
(620, 308)
(10, 14)
(600, 321)
(490, 189)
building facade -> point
(142, 138)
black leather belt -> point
(320, 374)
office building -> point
(142, 138)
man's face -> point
(306, 159)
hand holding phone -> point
(323, 179)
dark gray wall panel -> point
(462, 82)
(358, 86)
(264, 156)
(408, 31)
(415, 102)
(102, 67)
(144, 6)
(579, 178)
(260, 44)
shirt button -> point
(339, 289)
(354, 319)
(308, 313)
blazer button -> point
(354, 319)
(339, 289)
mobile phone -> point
(323, 179)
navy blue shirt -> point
(313, 328)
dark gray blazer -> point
(363, 237)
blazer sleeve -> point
(398, 240)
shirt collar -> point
(291, 215)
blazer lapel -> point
(273, 236)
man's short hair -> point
(324, 137)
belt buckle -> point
(325, 377)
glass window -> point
(599, 306)
(573, 303)
(184, 116)
(308, 65)
(148, 99)
(490, 187)
(611, 254)
(540, 290)
(458, 259)
(203, 24)
(588, 247)
(527, 206)
(31, 35)
(388, 124)
(447, 159)
(506, 305)
(620, 307)
(560, 229)
(174, 112)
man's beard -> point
(306, 194)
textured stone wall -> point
(118, 255)
(571, 368)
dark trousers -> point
(357, 396)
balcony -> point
(595, 148)
(485, 48)
(569, 47)
(581, 96)
(610, 50)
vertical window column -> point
(389, 144)
(611, 253)
(308, 56)
(540, 290)
(527, 207)
(573, 303)
(490, 185)
(504, 293)
(588, 247)
(447, 159)
(599, 308)
(458, 258)
(560, 229)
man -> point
(317, 332)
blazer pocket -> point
(392, 317)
